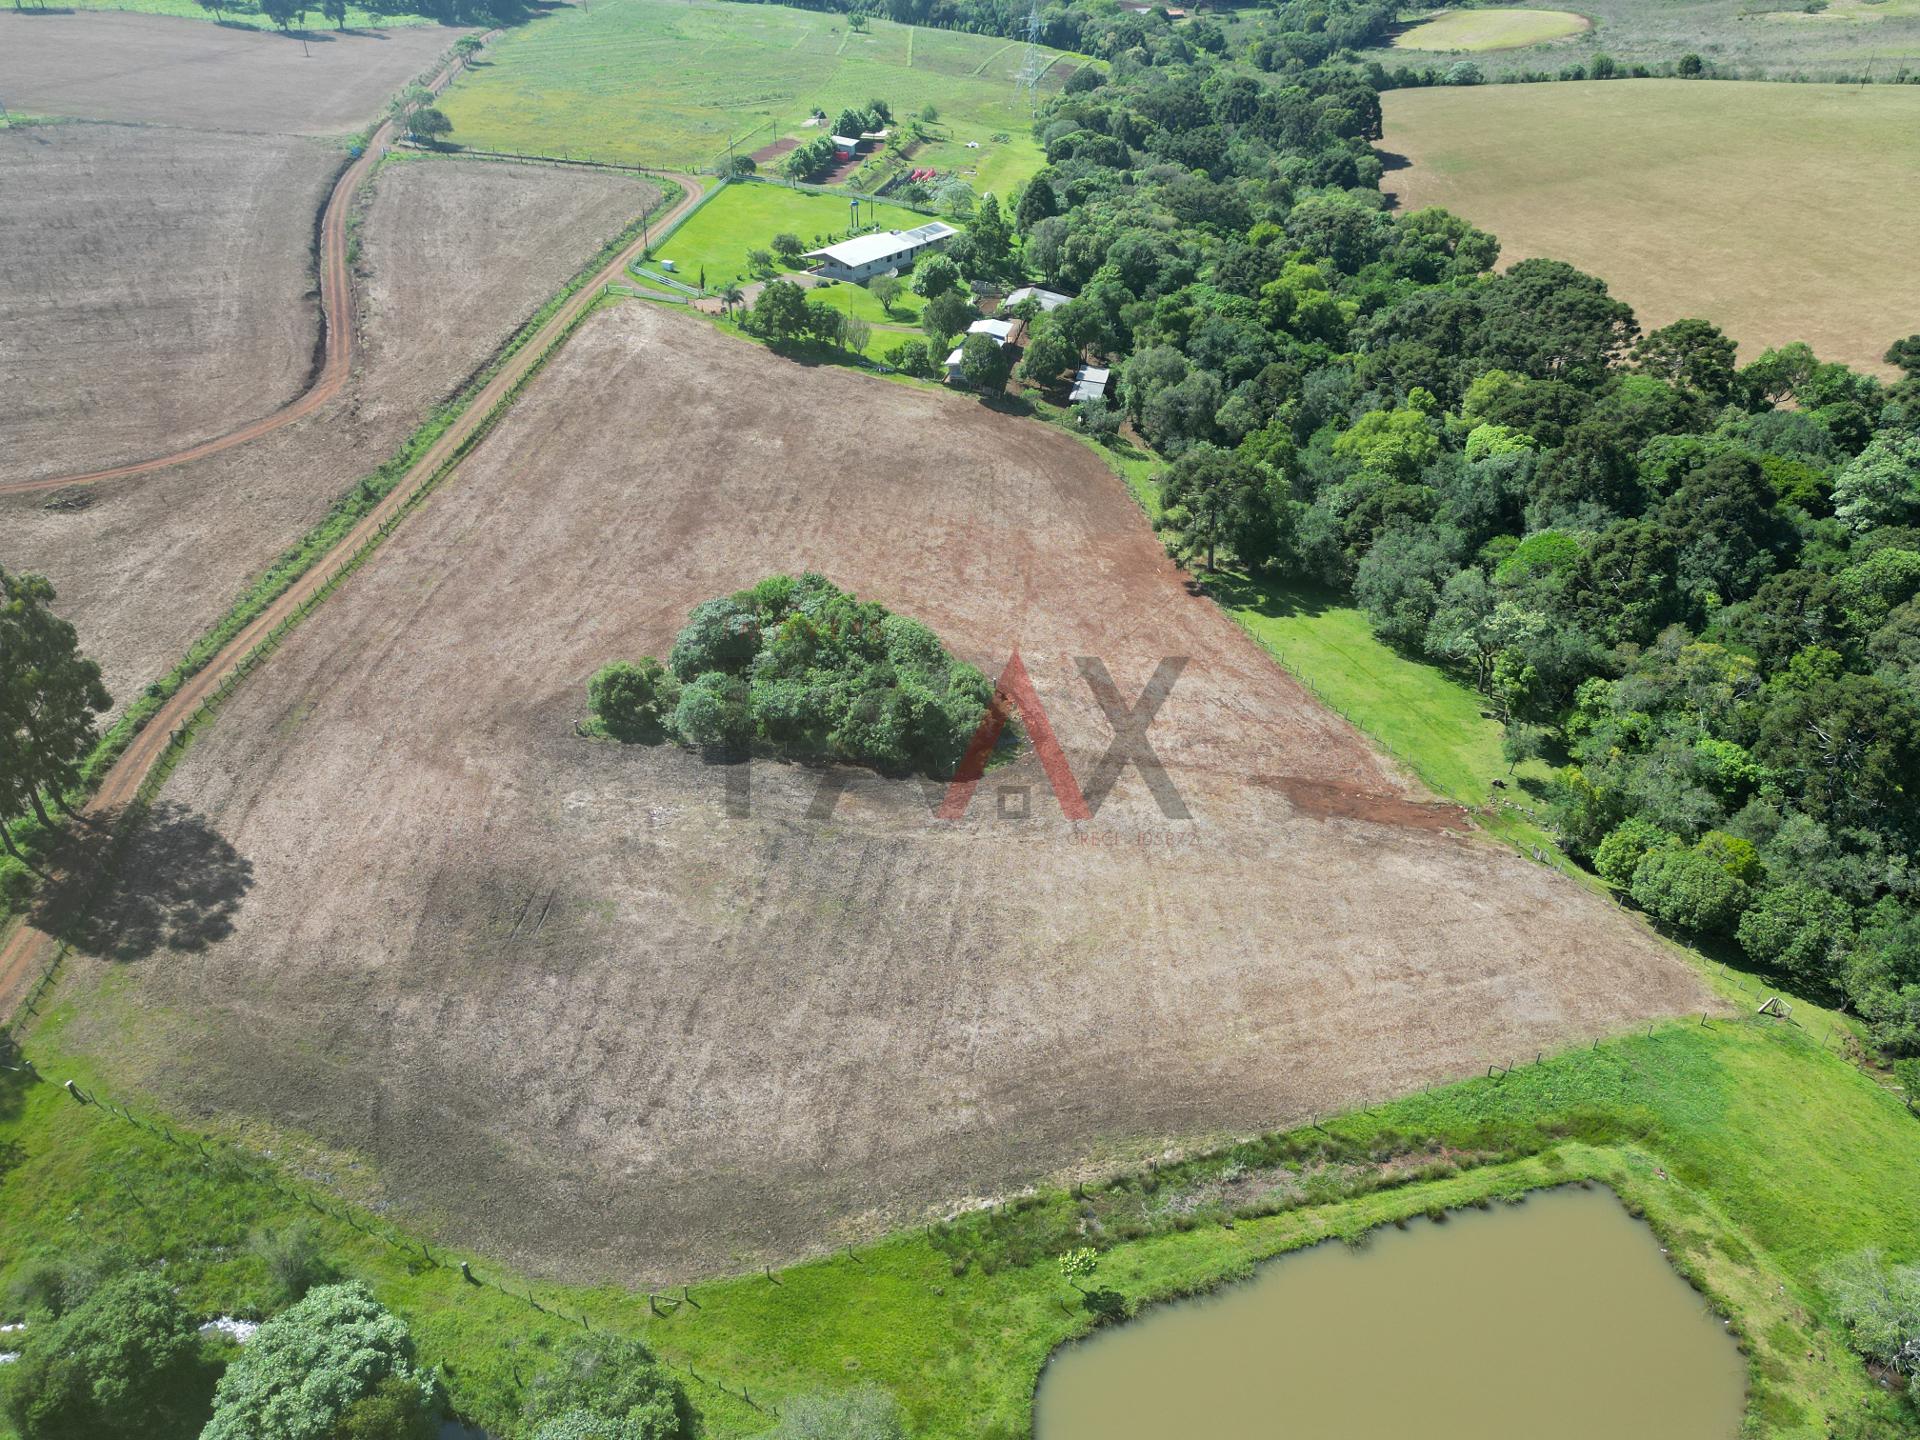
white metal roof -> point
(1049, 299)
(883, 244)
(999, 329)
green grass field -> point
(1495, 29)
(743, 217)
(670, 83)
(1634, 181)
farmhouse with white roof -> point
(865, 256)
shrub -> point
(913, 357)
(713, 710)
(125, 1362)
(867, 1413)
(1878, 1305)
(607, 1389)
(1621, 852)
(308, 1367)
(1688, 889)
(633, 702)
(294, 1262)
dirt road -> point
(27, 950)
(336, 322)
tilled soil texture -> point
(582, 1015)
(455, 255)
(102, 65)
(154, 284)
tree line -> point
(1692, 585)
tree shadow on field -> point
(127, 888)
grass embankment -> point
(36, 841)
(1827, 260)
(1758, 1154)
(709, 72)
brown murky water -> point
(1559, 1317)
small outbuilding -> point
(1090, 383)
(1049, 299)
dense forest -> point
(1690, 584)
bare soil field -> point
(581, 1011)
(455, 256)
(154, 285)
(170, 71)
(1634, 181)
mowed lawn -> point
(1491, 29)
(671, 82)
(1779, 212)
(747, 216)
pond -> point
(1557, 1317)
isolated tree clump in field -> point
(799, 667)
(337, 1358)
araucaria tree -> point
(49, 696)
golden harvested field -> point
(1779, 212)
(1498, 29)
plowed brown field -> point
(168, 70)
(154, 284)
(454, 256)
(582, 1015)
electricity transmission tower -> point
(1033, 65)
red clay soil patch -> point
(455, 256)
(766, 154)
(1339, 802)
(170, 70)
(581, 1012)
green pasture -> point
(745, 217)
(1493, 29)
(672, 82)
